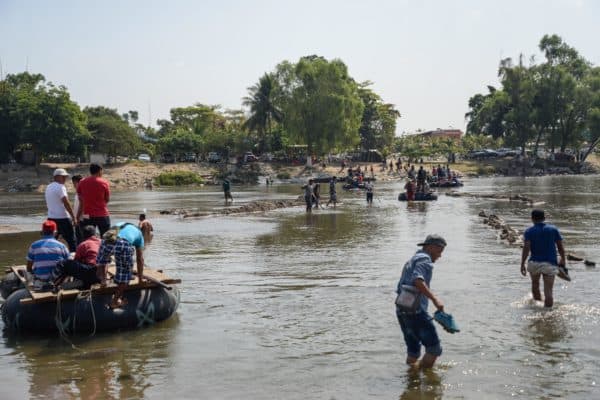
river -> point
(289, 305)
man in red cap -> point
(43, 254)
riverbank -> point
(138, 175)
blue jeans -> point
(418, 330)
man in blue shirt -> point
(121, 241)
(542, 240)
(417, 325)
(43, 254)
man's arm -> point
(67, 204)
(561, 252)
(29, 266)
(80, 210)
(423, 288)
(524, 255)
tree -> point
(378, 123)
(39, 115)
(263, 111)
(320, 103)
(111, 133)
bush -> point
(283, 175)
(178, 178)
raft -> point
(446, 184)
(419, 196)
(76, 311)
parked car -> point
(506, 152)
(563, 157)
(167, 158)
(214, 157)
(479, 154)
(188, 157)
(144, 157)
(249, 157)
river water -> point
(288, 305)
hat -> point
(433, 239)
(60, 172)
(49, 226)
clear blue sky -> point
(426, 57)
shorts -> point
(542, 267)
(369, 196)
(418, 330)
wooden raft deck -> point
(153, 279)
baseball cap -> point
(49, 226)
(433, 239)
(60, 172)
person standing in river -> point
(416, 324)
(542, 240)
(94, 195)
(227, 191)
(309, 195)
(59, 207)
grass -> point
(178, 178)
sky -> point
(426, 57)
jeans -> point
(65, 229)
(78, 270)
(418, 329)
(102, 223)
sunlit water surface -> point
(288, 305)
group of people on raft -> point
(91, 240)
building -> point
(442, 133)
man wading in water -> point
(412, 301)
(542, 240)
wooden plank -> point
(134, 284)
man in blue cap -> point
(412, 301)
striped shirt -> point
(44, 254)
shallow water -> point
(289, 305)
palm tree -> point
(262, 108)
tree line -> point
(313, 102)
(555, 103)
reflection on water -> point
(285, 304)
(104, 367)
(422, 385)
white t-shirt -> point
(54, 194)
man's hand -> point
(523, 270)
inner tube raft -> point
(419, 196)
(89, 311)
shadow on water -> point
(105, 366)
(422, 385)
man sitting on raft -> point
(120, 241)
(43, 254)
(83, 266)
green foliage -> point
(111, 134)
(320, 103)
(263, 110)
(39, 115)
(283, 175)
(378, 123)
(178, 178)
(551, 103)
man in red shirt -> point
(94, 195)
(83, 266)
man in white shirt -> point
(59, 207)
